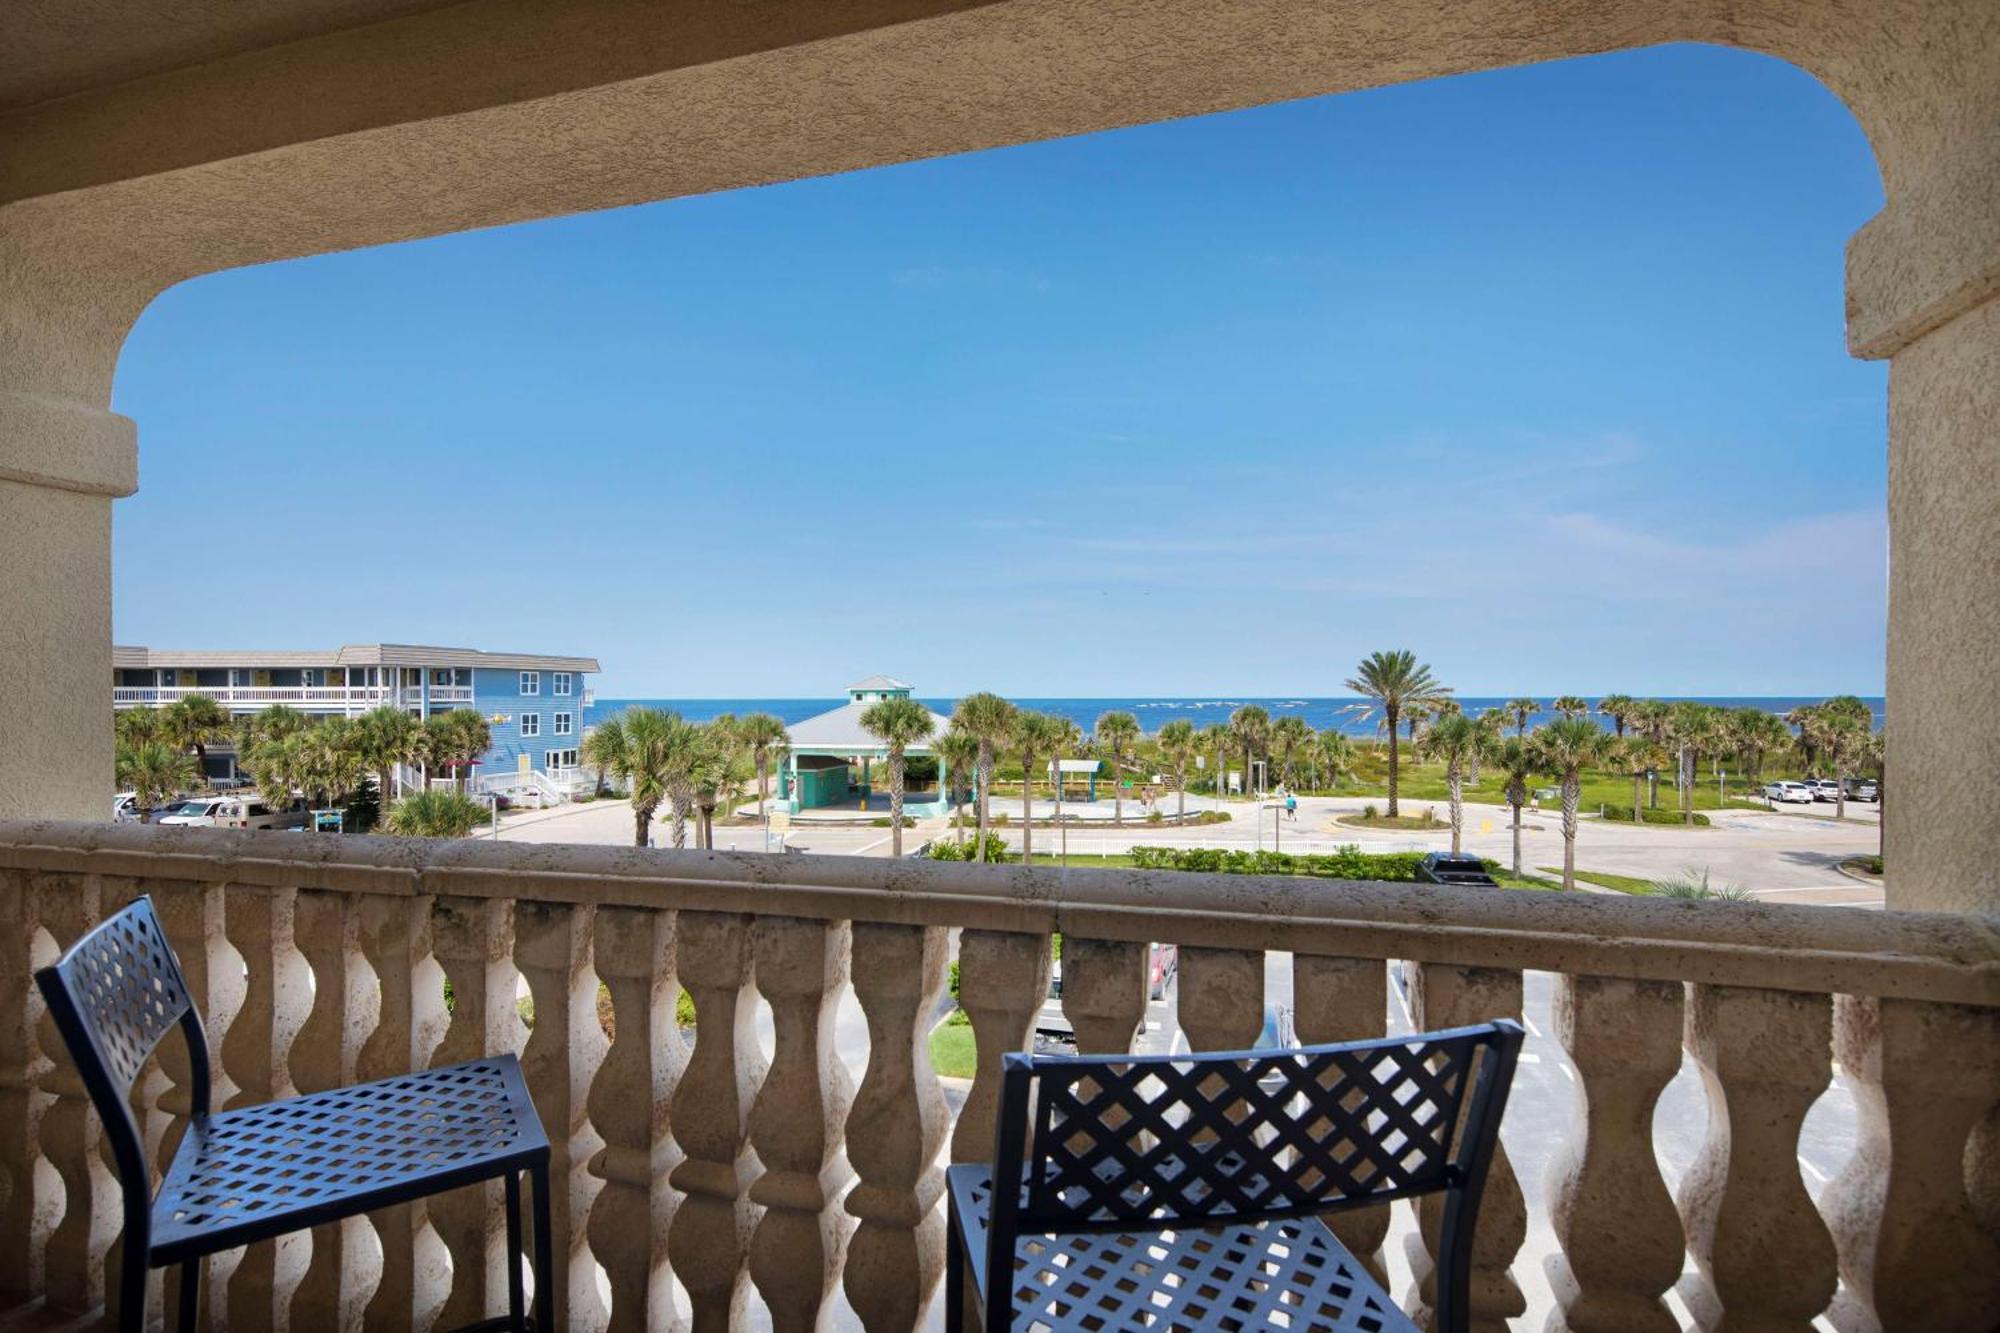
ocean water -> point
(1320, 713)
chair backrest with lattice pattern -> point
(114, 995)
(1161, 1140)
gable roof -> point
(840, 729)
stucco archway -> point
(140, 161)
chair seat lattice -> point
(1291, 1275)
(336, 1152)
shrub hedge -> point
(1349, 862)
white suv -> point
(1825, 789)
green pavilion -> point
(831, 764)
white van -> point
(198, 813)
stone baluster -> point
(395, 936)
(71, 1135)
(797, 1121)
(27, 1206)
(710, 1238)
(1764, 1258)
(896, 1128)
(1003, 978)
(1443, 996)
(326, 1054)
(1104, 993)
(630, 1100)
(1345, 999)
(1914, 1250)
(1220, 1006)
(1619, 1239)
(565, 1047)
(472, 939)
(256, 1053)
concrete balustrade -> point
(323, 960)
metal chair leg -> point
(954, 1278)
(516, 1304)
(545, 1264)
(190, 1303)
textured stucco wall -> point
(493, 111)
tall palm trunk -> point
(1392, 713)
(383, 778)
(896, 801)
(1687, 786)
(1513, 799)
(1839, 793)
(1118, 790)
(1180, 788)
(1637, 778)
(982, 781)
(1572, 796)
(1027, 807)
(763, 786)
(1454, 779)
(642, 818)
(678, 804)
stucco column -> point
(62, 462)
(1924, 290)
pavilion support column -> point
(1924, 291)
(62, 462)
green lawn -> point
(1424, 783)
(953, 1052)
(1604, 880)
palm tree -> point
(1521, 710)
(1635, 756)
(1617, 707)
(1333, 753)
(1036, 736)
(1649, 718)
(958, 759)
(135, 726)
(988, 719)
(643, 748)
(1571, 705)
(1290, 737)
(898, 723)
(434, 814)
(1517, 764)
(153, 771)
(386, 737)
(1694, 730)
(1250, 727)
(600, 751)
(192, 722)
(717, 767)
(1566, 748)
(1845, 727)
(1806, 719)
(1178, 744)
(1216, 735)
(1116, 735)
(768, 742)
(1396, 681)
(1064, 736)
(1458, 742)
(455, 739)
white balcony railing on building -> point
(691, 1160)
(359, 697)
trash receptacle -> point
(1454, 868)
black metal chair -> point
(1187, 1191)
(262, 1171)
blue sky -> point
(1539, 373)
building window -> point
(531, 724)
(563, 727)
(531, 682)
(561, 759)
(562, 682)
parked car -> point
(1788, 791)
(125, 808)
(1863, 789)
(1824, 789)
(199, 812)
(250, 811)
